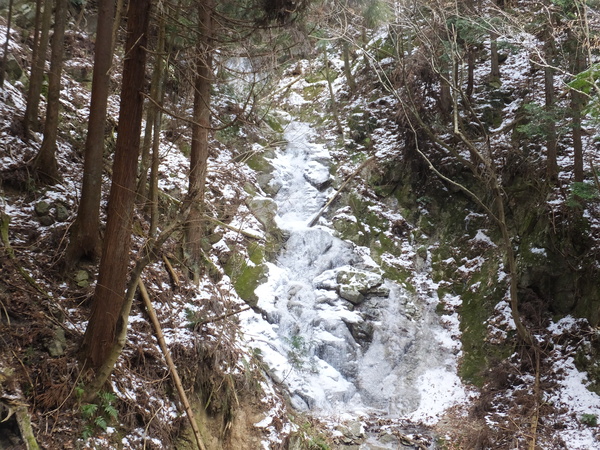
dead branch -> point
(222, 316)
(337, 193)
(163, 346)
(237, 230)
(171, 271)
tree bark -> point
(110, 289)
(577, 102)
(151, 113)
(445, 102)
(348, 68)
(85, 232)
(5, 54)
(200, 133)
(45, 164)
(36, 78)
(551, 143)
(494, 59)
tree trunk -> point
(200, 133)
(160, 92)
(44, 164)
(151, 113)
(445, 102)
(494, 59)
(38, 63)
(5, 54)
(109, 294)
(470, 72)
(116, 24)
(85, 232)
(348, 68)
(551, 144)
(577, 102)
(334, 106)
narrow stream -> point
(342, 339)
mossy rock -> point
(246, 275)
(313, 91)
(258, 161)
(274, 123)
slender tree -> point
(577, 103)
(200, 133)
(108, 297)
(45, 164)
(551, 140)
(38, 63)
(5, 53)
(494, 58)
(85, 232)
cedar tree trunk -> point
(85, 232)
(110, 289)
(200, 133)
(45, 164)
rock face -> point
(264, 209)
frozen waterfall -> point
(339, 336)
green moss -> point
(247, 276)
(258, 162)
(274, 123)
(478, 305)
(313, 91)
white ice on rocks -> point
(383, 355)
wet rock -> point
(352, 284)
(352, 435)
(56, 346)
(380, 291)
(13, 69)
(325, 296)
(264, 209)
(46, 220)
(327, 280)
(268, 184)
(360, 280)
(61, 213)
(42, 209)
(362, 332)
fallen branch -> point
(331, 200)
(163, 346)
(237, 230)
(24, 421)
(223, 316)
(171, 271)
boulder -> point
(61, 213)
(351, 294)
(264, 209)
(42, 209)
(362, 281)
(318, 175)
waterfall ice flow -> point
(386, 353)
